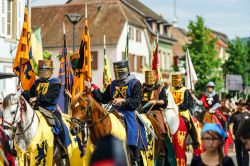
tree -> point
(203, 55)
(238, 62)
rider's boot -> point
(134, 152)
(193, 135)
(63, 149)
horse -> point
(32, 136)
(100, 122)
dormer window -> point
(161, 29)
(154, 27)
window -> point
(20, 14)
(3, 18)
(138, 35)
(161, 29)
(131, 33)
(6, 18)
(9, 17)
(131, 60)
(94, 62)
(140, 64)
(154, 27)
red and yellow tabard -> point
(178, 95)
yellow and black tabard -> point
(40, 151)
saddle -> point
(119, 116)
(48, 116)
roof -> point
(148, 13)
(220, 35)
(104, 17)
(182, 39)
(6, 75)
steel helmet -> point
(210, 84)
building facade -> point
(11, 16)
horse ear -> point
(22, 102)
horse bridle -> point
(10, 126)
(88, 118)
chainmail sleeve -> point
(102, 97)
(163, 96)
(187, 103)
(134, 101)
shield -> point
(171, 113)
(172, 119)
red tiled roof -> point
(106, 18)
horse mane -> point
(97, 105)
(7, 101)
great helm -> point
(210, 84)
(150, 77)
(45, 68)
(121, 70)
(176, 79)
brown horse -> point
(101, 123)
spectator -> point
(109, 152)
(237, 117)
(244, 133)
(213, 137)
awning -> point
(6, 75)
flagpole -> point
(65, 69)
(104, 45)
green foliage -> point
(238, 62)
(203, 55)
(47, 55)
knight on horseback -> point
(125, 92)
(44, 96)
(183, 99)
(155, 96)
(211, 103)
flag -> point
(106, 73)
(126, 48)
(83, 70)
(37, 48)
(66, 77)
(191, 77)
(155, 63)
(23, 65)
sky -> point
(231, 17)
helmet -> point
(121, 70)
(45, 68)
(176, 79)
(150, 77)
(210, 84)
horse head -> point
(80, 108)
(15, 116)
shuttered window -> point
(3, 17)
(20, 13)
(9, 18)
(94, 55)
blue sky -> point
(231, 17)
